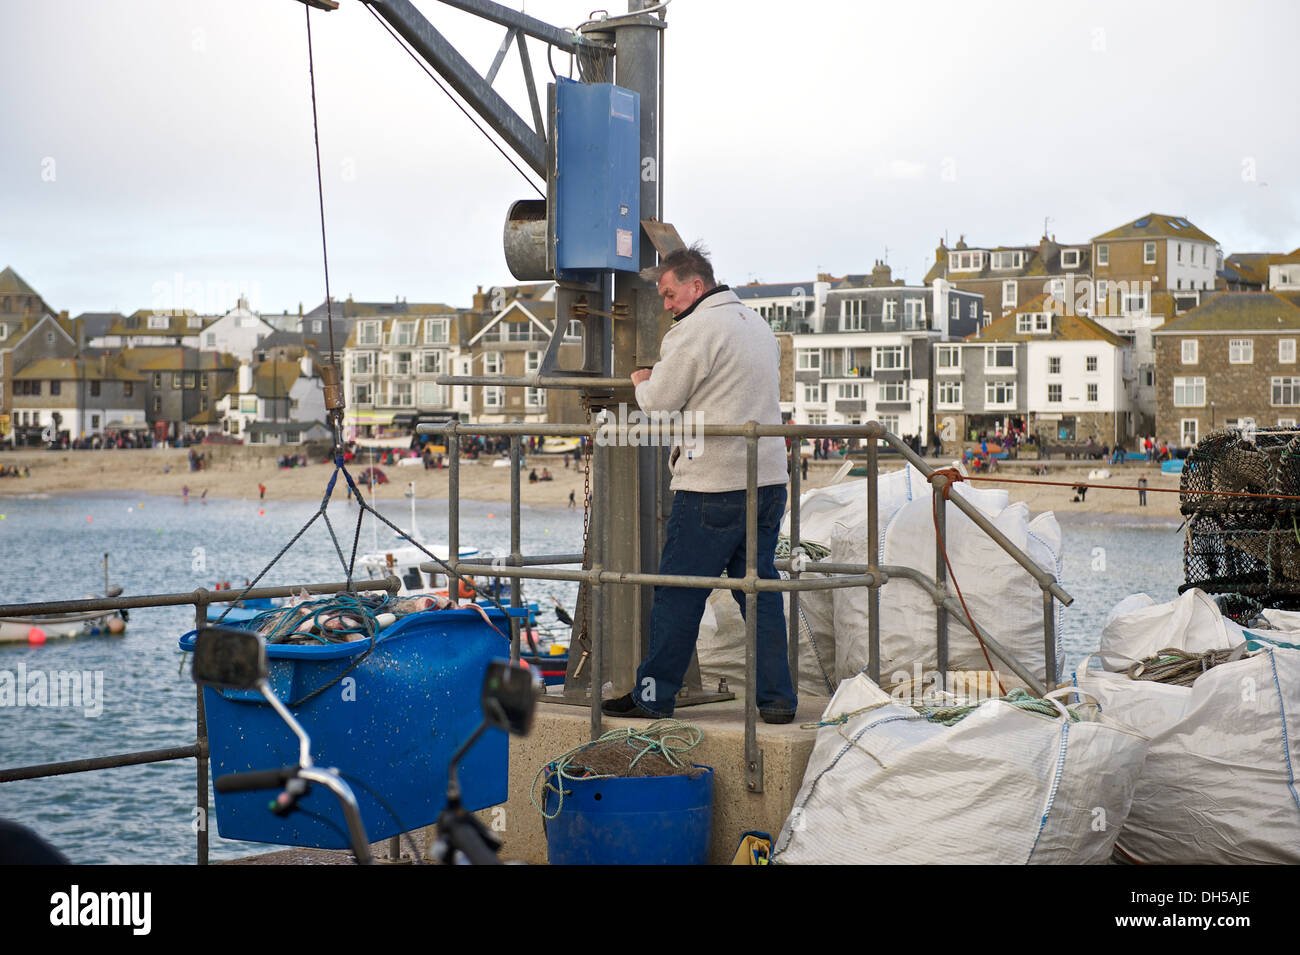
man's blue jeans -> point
(706, 535)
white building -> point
(237, 333)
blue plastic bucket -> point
(390, 726)
(631, 820)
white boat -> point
(403, 558)
(35, 630)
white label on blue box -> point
(623, 242)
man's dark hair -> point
(685, 264)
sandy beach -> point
(236, 473)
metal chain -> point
(585, 592)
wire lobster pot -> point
(1245, 549)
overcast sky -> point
(150, 148)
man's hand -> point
(640, 375)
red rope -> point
(953, 476)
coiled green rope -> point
(953, 713)
(667, 738)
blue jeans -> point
(706, 535)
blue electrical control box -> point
(597, 178)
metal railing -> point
(518, 566)
(200, 599)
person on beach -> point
(261, 492)
(1142, 491)
(572, 499)
(719, 361)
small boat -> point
(559, 445)
(1174, 466)
(35, 630)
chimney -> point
(300, 309)
(305, 364)
(245, 378)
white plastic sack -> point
(1138, 628)
(1002, 786)
(1002, 597)
(1219, 784)
(721, 644)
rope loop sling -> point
(671, 739)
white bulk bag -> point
(721, 645)
(1001, 595)
(1004, 785)
(1138, 628)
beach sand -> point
(236, 473)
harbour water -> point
(52, 548)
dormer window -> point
(159, 321)
(965, 261)
(1008, 260)
(1069, 258)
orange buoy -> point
(466, 589)
(36, 637)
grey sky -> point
(148, 146)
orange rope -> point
(1133, 487)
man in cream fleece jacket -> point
(719, 364)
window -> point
(1189, 431)
(402, 394)
(361, 363)
(1090, 363)
(159, 321)
(949, 393)
(402, 363)
(1286, 351)
(1286, 422)
(532, 361)
(889, 312)
(94, 389)
(892, 391)
(404, 333)
(189, 379)
(999, 357)
(367, 333)
(435, 330)
(999, 394)
(965, 261)
(1190, 392)
(317, 326)
(492, 363)
(431, 363)
(128, 389)
(1069, 258)
(1286, 391)
(1024, 323)
(1008, 293)
(1103, 255)
(432, 394)
(914, 313)
(890, 356)
(808, 359)
(494, 397)
(890, 423)
(1179, 256)
(1148, 253)
(55, 387)
(535, 397)
(812, 394)
(817, 417)
(948, 358)
(1134, 303)
(1093, 391)
(574, 329)
(176, 381)
(1054, 365)
(1054, 394)
(157, 404)
(1241, 351)
(849, 392)
(974, 310)
(361, 394)
(853, 315)
(519, 331)
(210, 340)
(1008, 260)
(1189, 351)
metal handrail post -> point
(939, 482)
(873, 552)
(792, 631)
(753, 755)
(596, 599)
(1049, 637)
(201, 741)
(453, 500)
(516, 590)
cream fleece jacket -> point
(719, 365)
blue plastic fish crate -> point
(390, 726)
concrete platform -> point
(558, 728)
